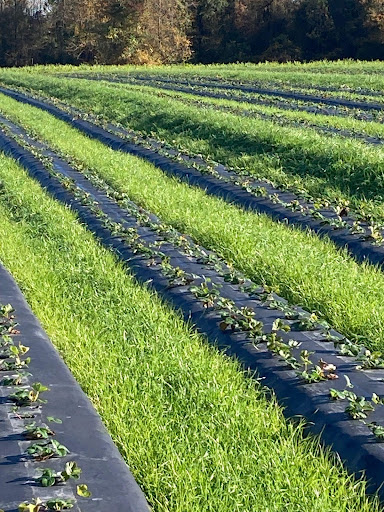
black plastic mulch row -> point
(272, 92)
(320, 129)
(103, 469)
(216, 95)
(352, 440)
(360, 249)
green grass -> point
(198, 434)
(276, 114)
(307, 270)
(354, 74)
(335, 168)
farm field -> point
(198, 431)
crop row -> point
(28, 403)
(364, 79)
(326, 95)
(361, 235)
(236, 234)
(39, 464)
(299, 105)
(146, 343)
(159, 254)
(228, 88)
(371, 132)
(326, 169)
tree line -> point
(172, 31)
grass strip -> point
(345, 74)
(197, 433)
(358, 126)
(306, 270)
(325, 167)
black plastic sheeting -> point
(103, 469)
(331, 111)
(350, 438)
(271, 92)
(361, 250)
(244, 113)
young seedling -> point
(279, 325)
(371, 360)
(207, 292)
(358, 406)
(47, 450)
(33, 431)
(377, 430)
(175, 275)
(16, 354)
(49, 477)
(308, 322)
(29, 396)
(233, 277)
(277, 346)
(15, 380)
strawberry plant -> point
(83, 491)
(49, 477)
(358, 406)
(59, 504)
(371, 360)
(6, 341)
(33, 431)
(233, 277)
(38, 505)
(279, 325)
(289, 312)
(175, 275)
(276, 345)
(15, 380)
(207, 292)
(6, 311)
(266, 294)
(315, 374)
(47, 450)
(375, 234)
(241, 319)
(16, 354)
(211, 260)
(29, 396)
(377, 430)
(307, 322)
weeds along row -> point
(266, 252)
(154, 249)
(325, 168)
(111, 330)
